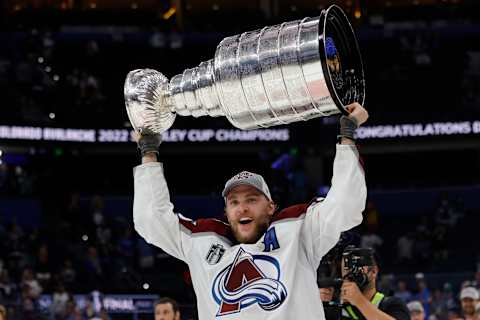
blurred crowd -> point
(82, 252)
(42, 84)
(55, 78)
(88, 249)
(440, 303)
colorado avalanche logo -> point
(250, 279)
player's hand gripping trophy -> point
(294, 71)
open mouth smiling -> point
(245, 221)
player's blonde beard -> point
(260, 228)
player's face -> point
(164, 311)
(468, 306)
(249, 212)
(416, 315)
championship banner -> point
(125, 135)
(205, 135)
(110, 303)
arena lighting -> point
(169, 13)
(40, 59)
(56, 77)
(51, 115)
(85, 237)
(358, 13)
(146, 286)
(1, 153)
(48, 69)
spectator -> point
(405, 248)
(453, 314)
(68, 273)
(7, 288)
(423, 294)
(469, 297)
(89, 310)
(59, 304)
(449, 297)
(439, 247)
(126, 246)
(371, 240)
(15, 238)
(439, 305)
(93, 266)
(3, 313)
(402, 292)
(34, 288)
(146, 254)
(423, 243)
(43, 267)
(386, 284)
(416, 310)
(166, 309)
(72, 312)
(29, 306)
(104, 315)
(97, 205)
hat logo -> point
(243, 175)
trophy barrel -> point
(290, 72)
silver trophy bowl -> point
(285, 73)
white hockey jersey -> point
(274, 278)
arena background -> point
(66, 156)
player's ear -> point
(272, 207)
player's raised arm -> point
(343, 206)
(153, 214)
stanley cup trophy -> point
(294, 71)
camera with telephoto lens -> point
(354, 259)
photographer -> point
(359, 298)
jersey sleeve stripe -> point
(207, 225)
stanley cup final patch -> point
(215, 253)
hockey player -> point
(262, 264)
